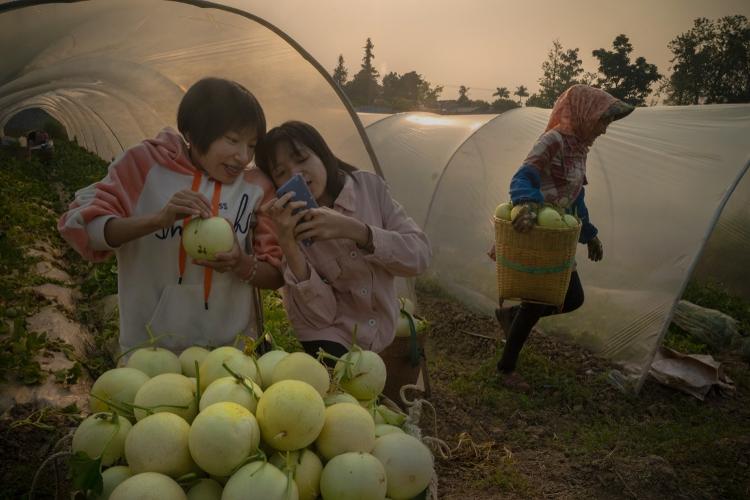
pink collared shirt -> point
(347, 285)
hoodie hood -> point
(169, 149)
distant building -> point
(452, 107)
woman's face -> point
(304, 161)
(228, 156)
(600, 128)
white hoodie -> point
(141, 182)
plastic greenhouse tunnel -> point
(669, 190)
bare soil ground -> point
(574, 435)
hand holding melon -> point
(525, 217)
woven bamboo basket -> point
(534, 266)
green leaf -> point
(71, 409)
(73, 373)
(86, 473)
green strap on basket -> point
(536, 270)
(413, 345)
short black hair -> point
(214, 106)
(296, 134)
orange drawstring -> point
(207, 271)
(183, 255)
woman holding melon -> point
(138, 212)
(554, 172)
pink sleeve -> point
(113, 196)
(400, 245)
(265, 244)
(311, 301)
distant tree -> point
(409, 91)
(561, 70)
(364, 88)
(628, 81)
(588, 78)
(521, 92)
(340, 73)
(391, 86)
(501, 93)
(480, 106)
(662, 87)
(535, 101)
(368, 57)
(430, 94)
(503, 105)
(711, 62)
(463, 96)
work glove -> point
(526, 217)
(596, 249)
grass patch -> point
(275, 322)
(712, 296)
(507, 478)
(715, 296)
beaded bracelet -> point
(253, 271)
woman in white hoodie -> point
(139, 209)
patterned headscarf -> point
(578, 110)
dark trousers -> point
(333, 348)
(527, 315)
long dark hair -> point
(296, 134)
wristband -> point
(253, 270)
(369, 246)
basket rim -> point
(543, 228)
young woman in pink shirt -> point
(361, 241)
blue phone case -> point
(301, 193)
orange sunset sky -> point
(482, 44)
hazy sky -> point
(482, 44)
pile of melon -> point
(222, 424)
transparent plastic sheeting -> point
(417, 147)
(657, 182)
(726, 257)
(113, 72)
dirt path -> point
(35, 417)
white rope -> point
(415, 409)
(52, 457)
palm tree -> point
(521, 92)
(502, 93)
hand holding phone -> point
(301, 191)
(298, 185)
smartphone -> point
(301, 193)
